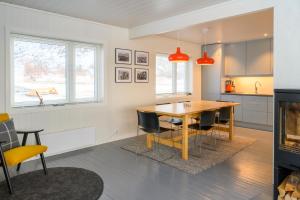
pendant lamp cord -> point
(177, 38)
(204, 42)
(204, 31)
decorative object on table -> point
(61, 183)
(141, 75)
(123, 75)
(11, 153)
(205, 59)
(178, 56)
(141, 58)
(197, 162)
(123, 56)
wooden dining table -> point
(187, 111)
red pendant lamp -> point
(178, 56)
(205, 59)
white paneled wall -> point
(116, 117)
(287, 44)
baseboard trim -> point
(254, 126)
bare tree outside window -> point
(57, 71)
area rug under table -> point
(198, 161)
(61, 183)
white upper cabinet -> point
(251, 58)
(258, 57)
(235, 59)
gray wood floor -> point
(246, 176)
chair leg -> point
(137, 135)
(24, 140)
(6, 173)
(158, 145)
(44, 164)
(18, 167)
(173, 140)
(154, 149)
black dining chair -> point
(149, 123)
(223, 116)
(205, 126)
(175, 123)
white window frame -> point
(69, 73)
(187, 83)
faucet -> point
(256, 88)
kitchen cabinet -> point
(211, 75)
(251, 58)
(255, 109)
(256, 117)
(270, 104)
(235, 59)
(238, 112)
(270, 110)
(252, 109)
(255, 103)
(258, 57)
(270, 119)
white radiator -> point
(68, 140)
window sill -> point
(53, 107)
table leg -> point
(185, 138)
(231, 123)
(149, 141)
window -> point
(55, 70)
(172, 78)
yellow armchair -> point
(11, 153)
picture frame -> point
(123, 75)
(141, 58)
(141, 75)
(123, 56)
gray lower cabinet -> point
(253, 109)
(270, 119)
(238, 112)
(270, 104)
(270, 110)
(255, 117)
(255, 103)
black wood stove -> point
(286, 135)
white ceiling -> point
(124, 13)
(240, 28)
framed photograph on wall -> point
(141, 58)
(141, 75)
(123, 75)
(123, 56)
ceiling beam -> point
(211, 13)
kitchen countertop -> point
(248, 94)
